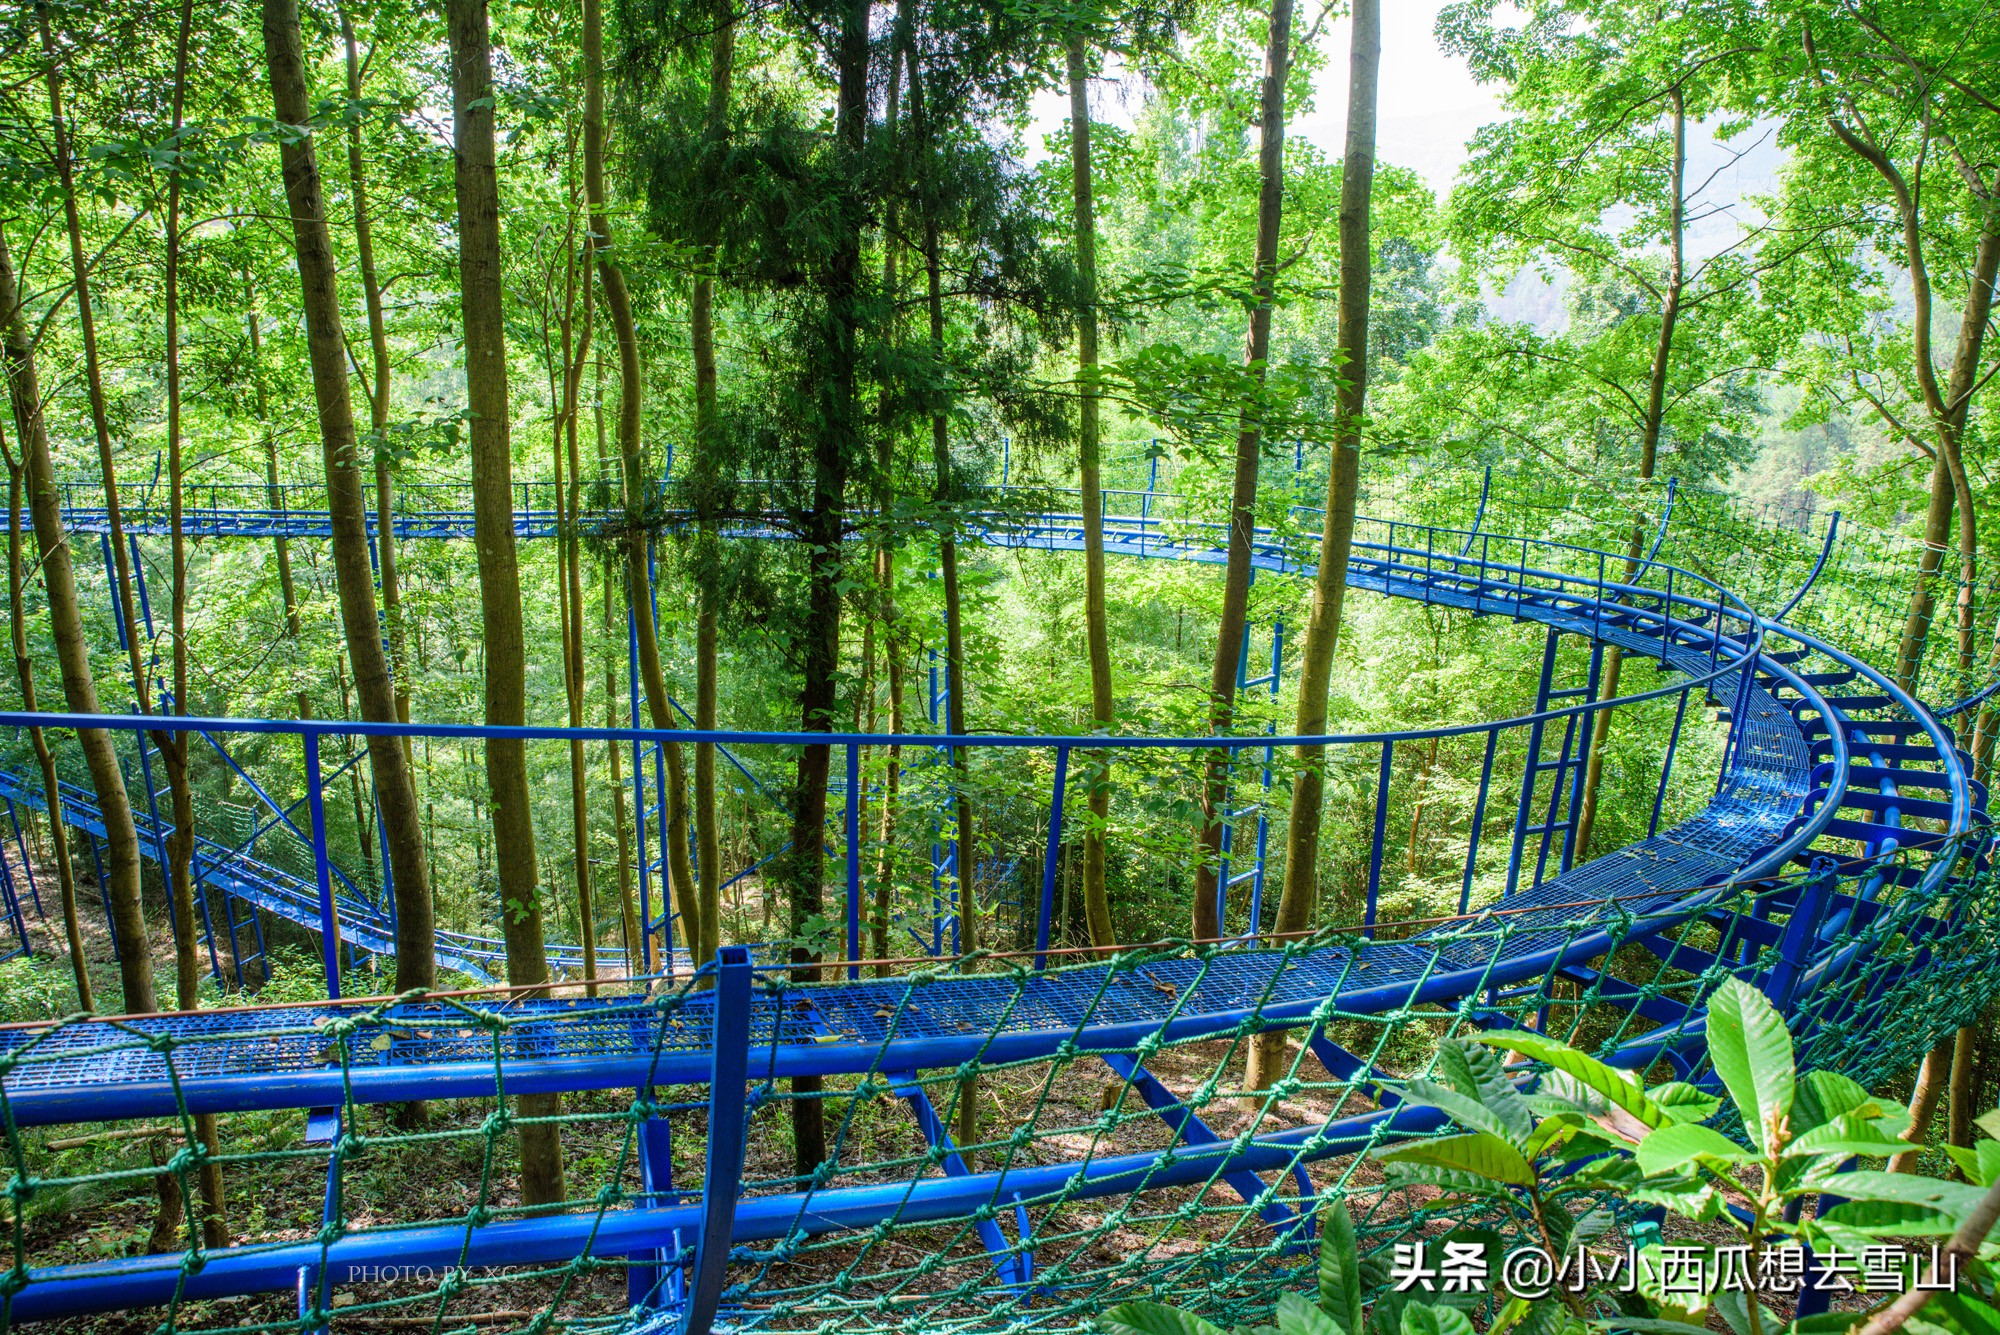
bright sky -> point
(1427, 107)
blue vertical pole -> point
(1478, 819)
(666, 857)
(853, 858)
(722, 1183)
(639, 796)
(329, 918)
(1381, 831)
(20, 842)
(1049, 862)
(1667, 763)
(104, 895)
(111, 578)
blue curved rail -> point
(1829, 767)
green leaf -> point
(1339, 1268)
(1989, 1123)
(1822, 1096)
(1478, 1153)
(1462, 1108)
(1846, 1136)
(1652, 1325)
(1675, 1147)
(1752, 1052)
(1481, 1073)
(1953, 1198)
(1428, 1319)
(1889, 1219)
(1452, 1181)
(1968, 1314)
(1553, 1130)
(1682, 1102)
(1617, 1086)
(1156, 1319)
(1690, 1198)
(1296, 1316)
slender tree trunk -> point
(121, 834)
(569, 561)
(709, 464)
(628, 908)
(1243, 492)
(885, 554)
(477, 186)
(180, 847)
(24, 669)
(1097, 636)
(378, 394)
(395, 787)
(1649, 453)
(631, 448)
(1964, 1085)
(803, 871)
(135, 962)
(1298, 903)
(1931, 1079)
(273, 493)
(954, 619)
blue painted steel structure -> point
(1822, 758)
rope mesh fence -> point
(1117, 1153)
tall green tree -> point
(1298, 902)
(476, 183)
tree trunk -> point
(477, 187)
(832, 446)
(378, 395)
(631, 449)
(1931, 1079)
(706, 933)
(180, 847)
(569, 571)
(121, 835)
(24, 669)
(121, 832)
(1298, 902)
(395, 788)
(1243, 492)
(1964, 1085)
(954, 621)
(628, 908)
(885, 560)
(1649, 453)
(273, 493)
(1097, 636)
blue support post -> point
(1478, 819)
(639, 798)
(853, 859)
(329, 917)
(722, 1182)
(104, 894)
(28, 865)
(1381, 831)
(14, 910)
(1049, 862)
(1667, 764)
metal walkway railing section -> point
(1839, 864)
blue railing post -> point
(722, 1184)
(1049, 862)
(853, 859)
(329, 919)
(1381, 831)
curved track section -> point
(1821, 871)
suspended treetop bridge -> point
(1822, 835)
